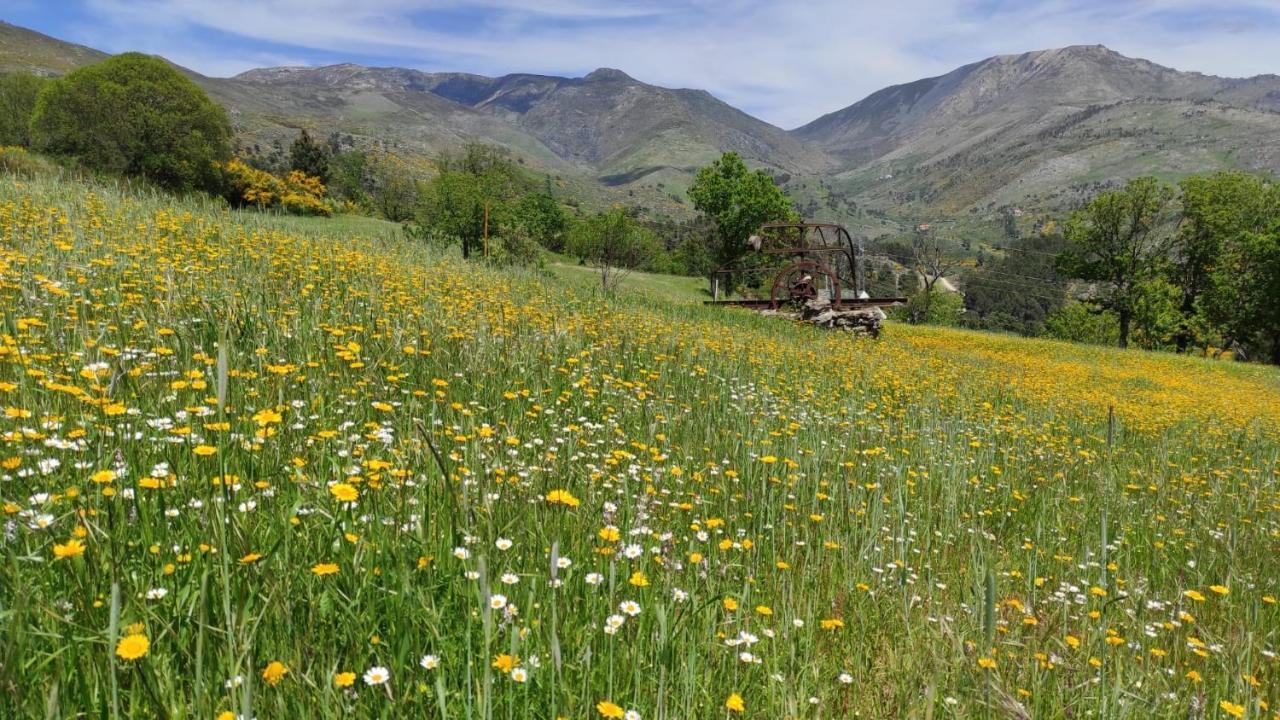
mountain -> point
(23, 49)
(1037, 131)
(1013, 127)
(606, 122)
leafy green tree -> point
(739, 200)
(615, 244)
(350, 178)
(542, 219)
(134, 114)
(310, 157)
(1216, 210)
(18, 93)
(469, 197)
(391, 186)
(931, 307)
(1079, 322)
(1118, 243)
(1244, 297)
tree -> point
(469, 197)
(1216, 210)
(18, 93)
(1118, 243)
(134, 114)
(739, 200)
(932, 259)
(392, 189)
(542, 219)
(1078, 322)
(1244, 296)
(309, 157)
(614, 243)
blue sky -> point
(786, 62)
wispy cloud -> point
(786, 62)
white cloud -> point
(787, 62)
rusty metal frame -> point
(810, 258)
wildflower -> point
(638, 579)
(322, 569)
(609, 710)
(764, 610)
(251, 558)
(505, 663)
(832, 624)
(274, 672)
(70, 549)
(1194, 595)
(630, 607)
(429, 662)
(497, 602)
(987, 663)
(132, 647)
(734, 703)
(204, 450)
(562, 497)
(1231, 708)
(344, 679)
(103, 476)
(376, 675)
(344, 492)
(1220, 589)
(519, 675)
(729, 604)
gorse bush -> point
(296, 193)
(248, 468)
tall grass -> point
(579, 503)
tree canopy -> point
(18, 93)
(739, 200)
(1117, 242)
(134, 114)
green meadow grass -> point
(327, 472)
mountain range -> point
(1039, 130)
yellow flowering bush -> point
(296, 193)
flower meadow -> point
(251, 467)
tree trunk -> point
(1183, 337)
(1275, 349)
(466, 249)
(1126, 316)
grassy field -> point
(273, 468)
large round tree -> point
(136, 115)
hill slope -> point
(1038, 130)
(1012, 128)
(307, 457)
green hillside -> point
(286, 468)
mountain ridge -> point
(1034, 129)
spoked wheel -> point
(798, 283)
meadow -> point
(259, 467)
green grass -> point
(938, 524)
(671, 288)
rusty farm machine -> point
(813, 271)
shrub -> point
(297, 193)
(134, 115)
(18, 93)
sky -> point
(785, 61)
